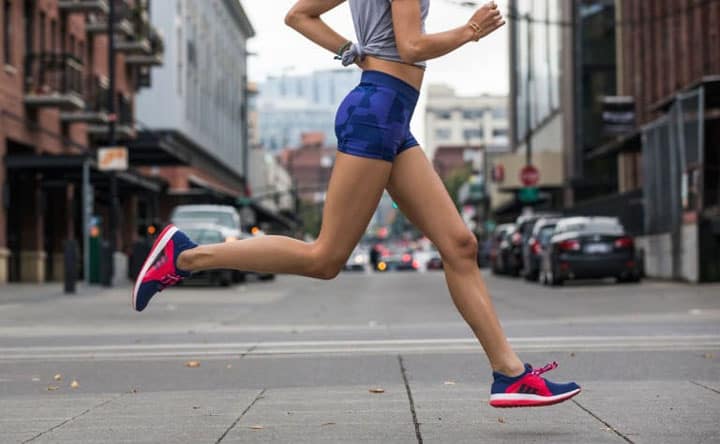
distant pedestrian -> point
(376, 152)
(375, 256)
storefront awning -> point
(631, 142)
(68, 169)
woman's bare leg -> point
(355, 188)
(422, 197)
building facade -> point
(290, 105)
(59, 101)
(454, 121)
(631, 121)
(199, 99)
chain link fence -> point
(672, 157)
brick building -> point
(54, 112)
(309, 165)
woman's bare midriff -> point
(408, 73)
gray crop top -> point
(374, 30)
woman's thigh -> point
(423, 198)
(355, 188)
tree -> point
(455, 180)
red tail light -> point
(535, 246)
(516, 238)
(416, 264)
(406, 257)
(624, 242)
(569, 245)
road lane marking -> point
(391, 346)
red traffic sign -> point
(529, 176)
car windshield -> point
(595, 226)
(204, 235)
(546, 233)
(214, 217)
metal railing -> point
(48, 73)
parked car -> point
(589, 247)
(435, 262)
(540, 235)
(399, 261)
(224, 216)
(501, 249)
(358, 260)
(520, 245)
(203, 234)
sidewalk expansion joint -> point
(605, 423)
(410, 399)
(247, 409)
(705, 387)
(69, 420)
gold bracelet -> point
(475, 27)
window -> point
(7, 34)
(442, 134)
(472, 114)
(42, 43)
(473, 133)
(500, 132)
(499, 113)
(53, 36)
(444, 115)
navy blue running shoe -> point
(160, 270)
(529, 389)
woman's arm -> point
(414, 46)
(304, 17)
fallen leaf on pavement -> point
(192, 364)
(708, 356)
(52, 388)
(74, 384)
(501, 420)
(572, 354)
(327, 424)
(256, 427)
(377, 390)
(449, 383)
(57, 377)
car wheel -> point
(225, 279)
(239, 277)
(554, 280)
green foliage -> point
(455, 180)
(311, 215)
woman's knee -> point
(325, 262)
(461, 245)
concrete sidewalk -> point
(416, 406)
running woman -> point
(377, 152)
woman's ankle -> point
(512, 368)
(185, 261)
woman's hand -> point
(485, 20)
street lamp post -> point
(112, 223)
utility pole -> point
(528, 101)
(112, 223)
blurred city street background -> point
(580, 143)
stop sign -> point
(529, 176)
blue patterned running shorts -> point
(374, 119)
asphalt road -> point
(294, 361)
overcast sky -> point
(473, 69)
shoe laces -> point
(169, 280)
(539, 371)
